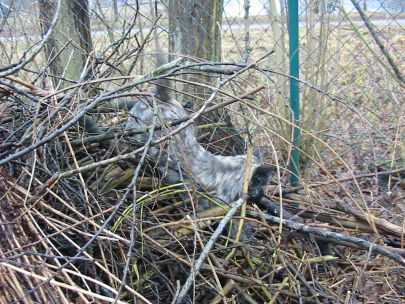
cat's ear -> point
(259, 179)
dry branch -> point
(372, 247)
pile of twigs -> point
(84, 218)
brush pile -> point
(84, 218)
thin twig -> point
(333, 235)
(378, 41)
(84, 110)
(196, 268)
(16, 67)
(115, 133)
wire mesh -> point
(79, 236)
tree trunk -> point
(115, 10)
(195, 28)
(70, 44)
(279, 60)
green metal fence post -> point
(293, 32)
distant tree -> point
(115, 9)
(333, 5)
(396, 6)
(330, 5)
(68, 48)
(5, 10)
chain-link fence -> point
(340, 44)
(353, 52)
(78, 225)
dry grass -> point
(95, 237)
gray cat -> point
(183, 156)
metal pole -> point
(293, 31)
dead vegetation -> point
(84, 218)
(77, 225)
